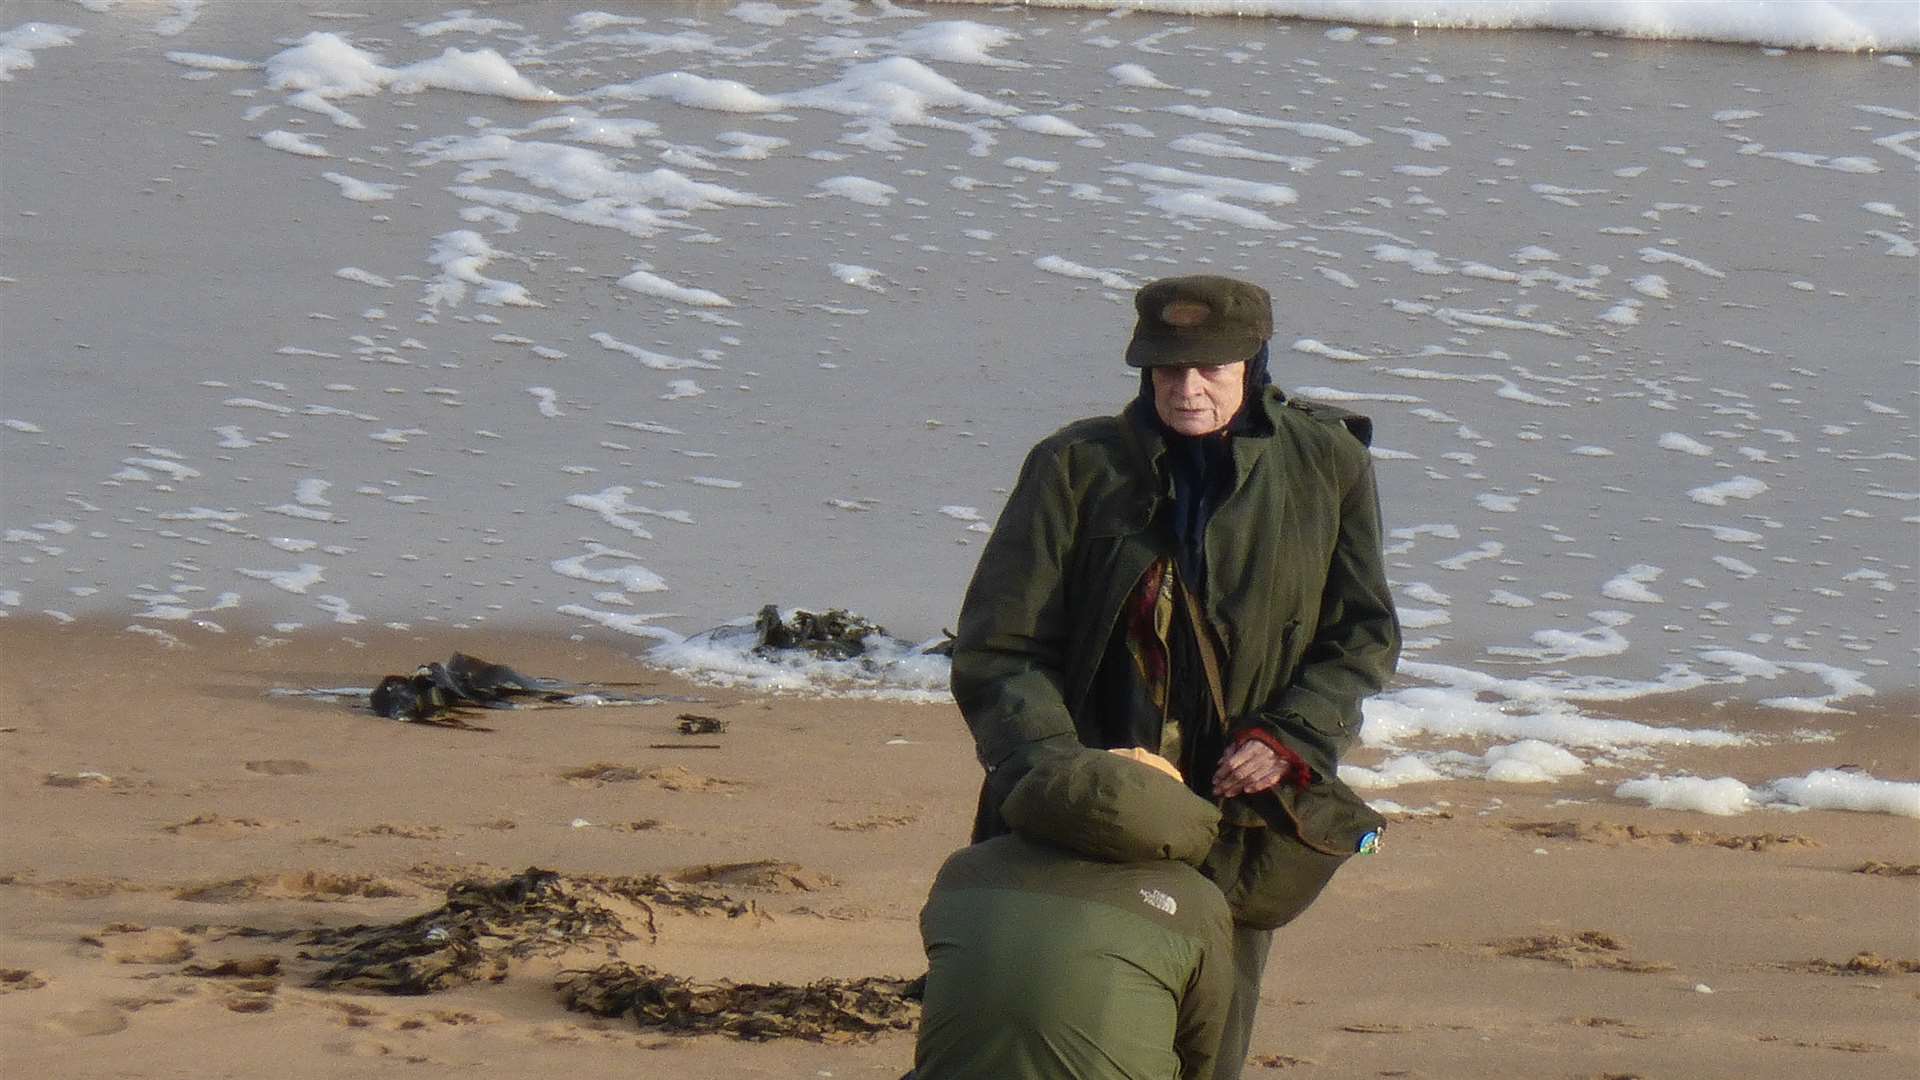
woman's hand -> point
(1248, 769)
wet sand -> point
(1518, 934)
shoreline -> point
(1708, 28)
(604, 650)
(1878, 736)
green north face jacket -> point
(1296, 594)
(1084, 946)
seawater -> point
(631, 324)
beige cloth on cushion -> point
(1147, 757)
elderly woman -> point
(1200, 576)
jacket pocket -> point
(1277, 851)
(1327, 815)
(1267, 875)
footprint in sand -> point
(101, 1021)
(220, 892)
(1613, 1026)
(438, 876)
(1585, 949)
(876, 821)
(135, 1004)
(601, 773)
(354, 1014)
(280, 767)
(216, 827)
(575, 1033)
(257, 966)
(81, 888)
(442, 1018)
(13, 980)
(640, 825)
(679, 778)
(310, 885)
(764, 875)
(670, 777)
(404, 831)
(368, 1048)
(129, 944)
(241, 984)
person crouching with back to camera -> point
(1085, 943)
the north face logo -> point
(1156, 898)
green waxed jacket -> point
(1084, 946)
(1296, 593)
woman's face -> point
(1199, 400)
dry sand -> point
(1522, 936)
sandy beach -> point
(160, 800)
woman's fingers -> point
(1251, 768)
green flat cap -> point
(1201, 319)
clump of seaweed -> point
(442, 694)
(485, 925)
(835, 634)
(828, 1010)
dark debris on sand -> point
(829, 1010)
(1862, 963)
(1583, 949)
(443, 694)
(485, 925)
(12, 979)
(697, 724)
(1876, 868)
(835, 634)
